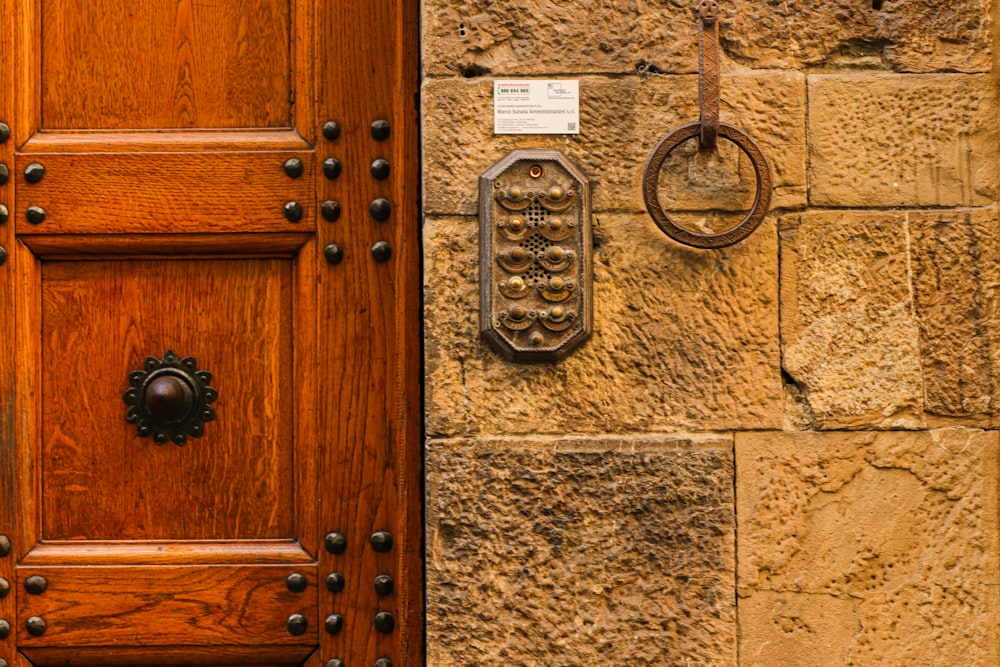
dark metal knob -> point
(335, 582)
(296, 582)
(3, 255)
(336, 662)
(334, 624)
(380, 169)
(331, 130)
(332, 168)
(4, 663)
(4, 173)
(4, 214)
(4, 545)
(4, 587)
(380, 129)
(380, 209)
(336, 543)
(383, 662)
(381, 541)
(334, 254)
(297, 624)
(35, 584)
(36, 626)
(294, 167)
(35, 215)
(4, 133)
(381, 251)
(383, 584)
(168, 397)
(4, 629)
(330, 210)
(293, 211)
(34, 172)
(384, 622)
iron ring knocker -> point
(731, 236)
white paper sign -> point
(531, 106)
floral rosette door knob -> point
(170, 399)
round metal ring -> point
(731, 236)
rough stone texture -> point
(868, 549)
(504, 37)
(621, 121)
(850, 338)
(684, 340)
(887, 318)
(570, 552)
(897, 140)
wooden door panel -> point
(99, 480)
(156, 192)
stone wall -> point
(778, 454)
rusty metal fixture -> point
(34, 172)
(381, 251)
(380, 129)
(294, 167)
(297, 624)
(36, 626)
(169, 400)
(743, 229)
(35, 215)
(334, 254)
(332, 168)
(36, 584)
(296, 582)
(384, 622)
(335, 582)
(4, 173)
(333, 624)
(5, 546)
(330, 210)
(4, 133)
(380, 169)
(707, 130)
(384, 584)
(336, 543)
(331, 130)
(4, 214)
(381, 541)
(536, 250)
(293, 211)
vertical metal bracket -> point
(536, 285)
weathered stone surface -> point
(466, 37)
(621, 121)
(897, 140)
(569, 552)
(868, 549)
(850, 338)
(956, 278)
(683, 340)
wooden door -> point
(209, 389)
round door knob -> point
(34, 172)
(297, 624)
(168, 397)
(334, 624)
(35, 215)
(35, 584)
(36, 626)
(296, 582)
(335, 582)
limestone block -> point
(684, 340)
(505, 37)
(911, 36)
(567, 551)
(868, 548)
(879, 140)
(621, 121)
(850, 338)
(956, 278)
